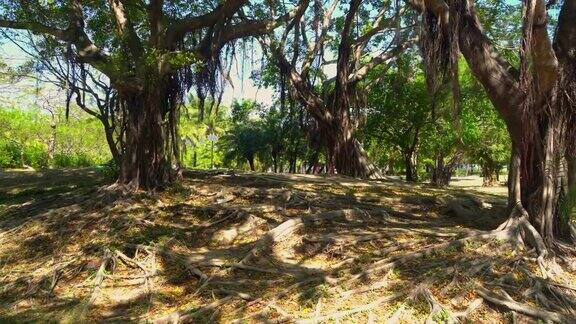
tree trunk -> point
(52, 141)
(275, 161)
(514, 194)
(442, 172)
(539, 180)
(489, 174)
(410, 160)
(292, 163)
(251, 163)
(571, 166)
(537, 126)
(390, 167)
(109, 133)
(144, 164)
(344, 153)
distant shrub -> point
(77, 160)
(10, 155)
(110, 169)
(62, 161)
(36, 156)
(83, 160)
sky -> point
(243, 87)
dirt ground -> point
(239, 247)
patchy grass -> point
(185, 251)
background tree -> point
(399, 112)
(147, 50)
(348, 41)
(486, 140)
(535, 102)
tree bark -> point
(571, 161)
(514, 193)
(442, 172)
(534, 119)
(109, 133)
(410, 160)
(144, 164)
(52, 141)
(489, 173)
(347, 155)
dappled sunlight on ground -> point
(224, 246)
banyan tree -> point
(356, 37)
(152, 52)
(536, 100)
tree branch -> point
(186, 25)
(377, 60)
(125, 29)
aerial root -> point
(435, 307)
(389, 263)
(148, 271)
(271, 301)
(175, 257)
(474, 305)
(384, 282)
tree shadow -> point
(196, 246)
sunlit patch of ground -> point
(202, 250)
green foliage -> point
(110, 169)
(10, 155)
(484, 133)
(399, 108)
(36, 156)
(399, 105)
(27, 135)
(196, 148)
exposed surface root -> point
(509, 303)
(240, 248)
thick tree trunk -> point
(571, 166)
(410, 160)
(345, 154)
(351, 159)
(540, 181)
(144, 164)
(292, 163)
(514, 194)
(536, 126)
(489, 173)
(442, 172)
